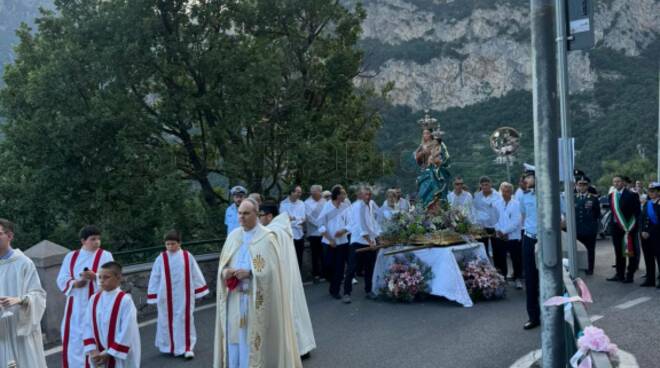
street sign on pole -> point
(563, 162)
(580, 24)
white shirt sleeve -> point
(154, 281)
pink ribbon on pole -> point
(585, 296)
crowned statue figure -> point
(433, 160)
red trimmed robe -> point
(112, 329)
(77, 299)
(175, 282)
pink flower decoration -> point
(595, 339)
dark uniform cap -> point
(582, 178)
(238, 189)
(654, 185)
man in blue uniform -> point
(587, 214)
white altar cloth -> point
(448, 280)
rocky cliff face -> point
(446, 53)
(12, 13)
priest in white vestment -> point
(253, 323)
(22, 304)
(281, 226)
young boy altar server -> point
(112, 336)
(176, 281)
(78, 281)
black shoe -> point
(615, 278)
(628, 280)
(647, 284)
(317, 279)
(336, 296)
(305, 356)
(531, 324)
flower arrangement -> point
(482, 280)
(406, 278)
(434, 225)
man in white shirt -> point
(485, 209)
(404, 205)
(334, 227)
(522, 188)
(295, 208)
(313, 206)
(508, 235)
(231, 214)
(460, 199)
(364, 231)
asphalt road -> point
(441, 334)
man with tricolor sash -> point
(626, 209)
(175, 282)
(78, 282)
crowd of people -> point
(262, 314)
(337, 229)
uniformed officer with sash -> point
(587, 214)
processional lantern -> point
(505, 142)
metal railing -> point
(149, 254)
(580, 322)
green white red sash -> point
(626, 225)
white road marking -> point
(595, 317)
(527, 360)
(632, 303)
(55, 350)
(58, 349)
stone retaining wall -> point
(136, 282)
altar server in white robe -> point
(22, 304)
(253, 322)
(280, 225)
(175, 282)
(112, 335)
(77, 280)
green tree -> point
(128, 113)
(637, 169)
